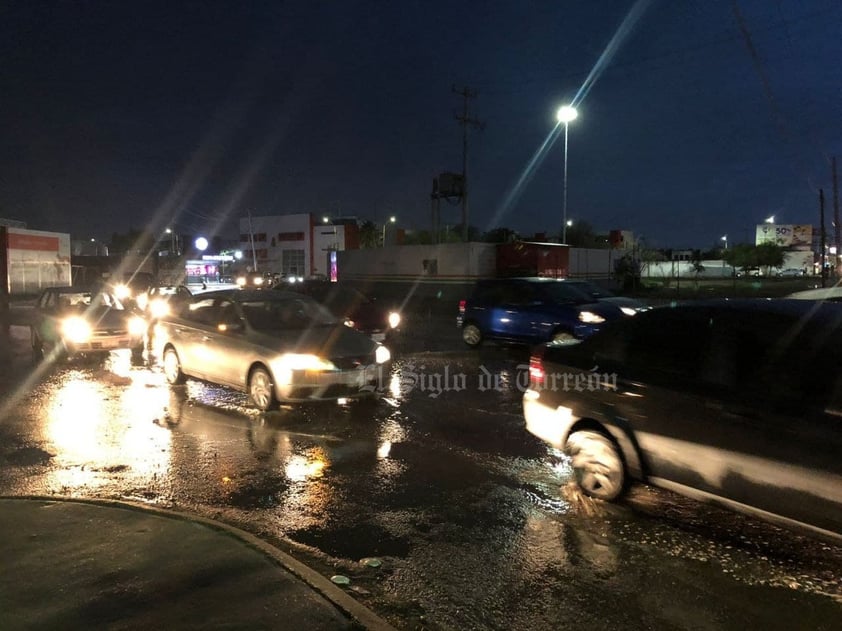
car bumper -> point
(104, 343)
(306, 385)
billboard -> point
(799, 236)
(36, 259)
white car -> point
(790, 272)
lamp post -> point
(725, 239)
(769, 219)
(565, 115)
(392, 219)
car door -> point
(659, 400)
(188, 334)
(225, 349)
(777, 416)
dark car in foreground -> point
(73, 321)
(532, 311)
(358, 310)
(276, 346)
(739, 402)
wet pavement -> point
(473, 521)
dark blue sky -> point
(117, 115)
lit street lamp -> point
(565, 115)
(392, 219)
(725, 239)
(770, 219)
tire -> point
(262, 389)
(563, 337)
(471, 335)
(172, 367)
(37, 344)
(597, 465)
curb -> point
(358, 612)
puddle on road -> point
(353, 542)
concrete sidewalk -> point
(70, 564)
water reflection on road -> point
(475, 520)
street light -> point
(770, 219)
(565, 115)
(392, 219)
(725, 239)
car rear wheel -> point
(471, 335)
(261, 389)
(37, 344)
(172, 367)
(597, 465)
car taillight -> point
(462, 304)
(537, 374)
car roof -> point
(243, 295)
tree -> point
(500, 235)
(581, 235)
(369, 235)
(627, 271)
(770, 255)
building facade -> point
(297, 245)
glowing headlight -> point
(142, 301)
(76, 330)
(122, 291)
(629, 311)
(241, 281)
(349, 323)
(394, 319)
(589, 317)
(159, 308)
(299, 361)
(258, 280)
(382, 355)
(137, 326)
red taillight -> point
(537, 374)
(462, 304)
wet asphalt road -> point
(473, 520)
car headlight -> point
(629, 311)
(382, 355)
(122, 291)
(394, 319)
(589, 317)
(258, 280)
(303, 361)
(241, 281)
(349, 323)
(137, 325)
(76, 330)
(159, 308)
(142, 301)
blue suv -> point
(532, 311)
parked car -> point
(750, 272)
(790, 272)
(531, 311)
(828, 294)
(276, 346)
(738, 402)
(355, 308)
(72, 321)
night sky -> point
(119, 115)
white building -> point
(295, 245)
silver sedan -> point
(276, 346)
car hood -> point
(332, 341)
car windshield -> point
(86, 299)
(290, 313)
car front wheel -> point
(261, 389)
(471, 335)
(172, 367)
(597, 465)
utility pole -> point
(836, 227)
(251, 240)
(465, 121)
(822, 236)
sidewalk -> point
(71, 564)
